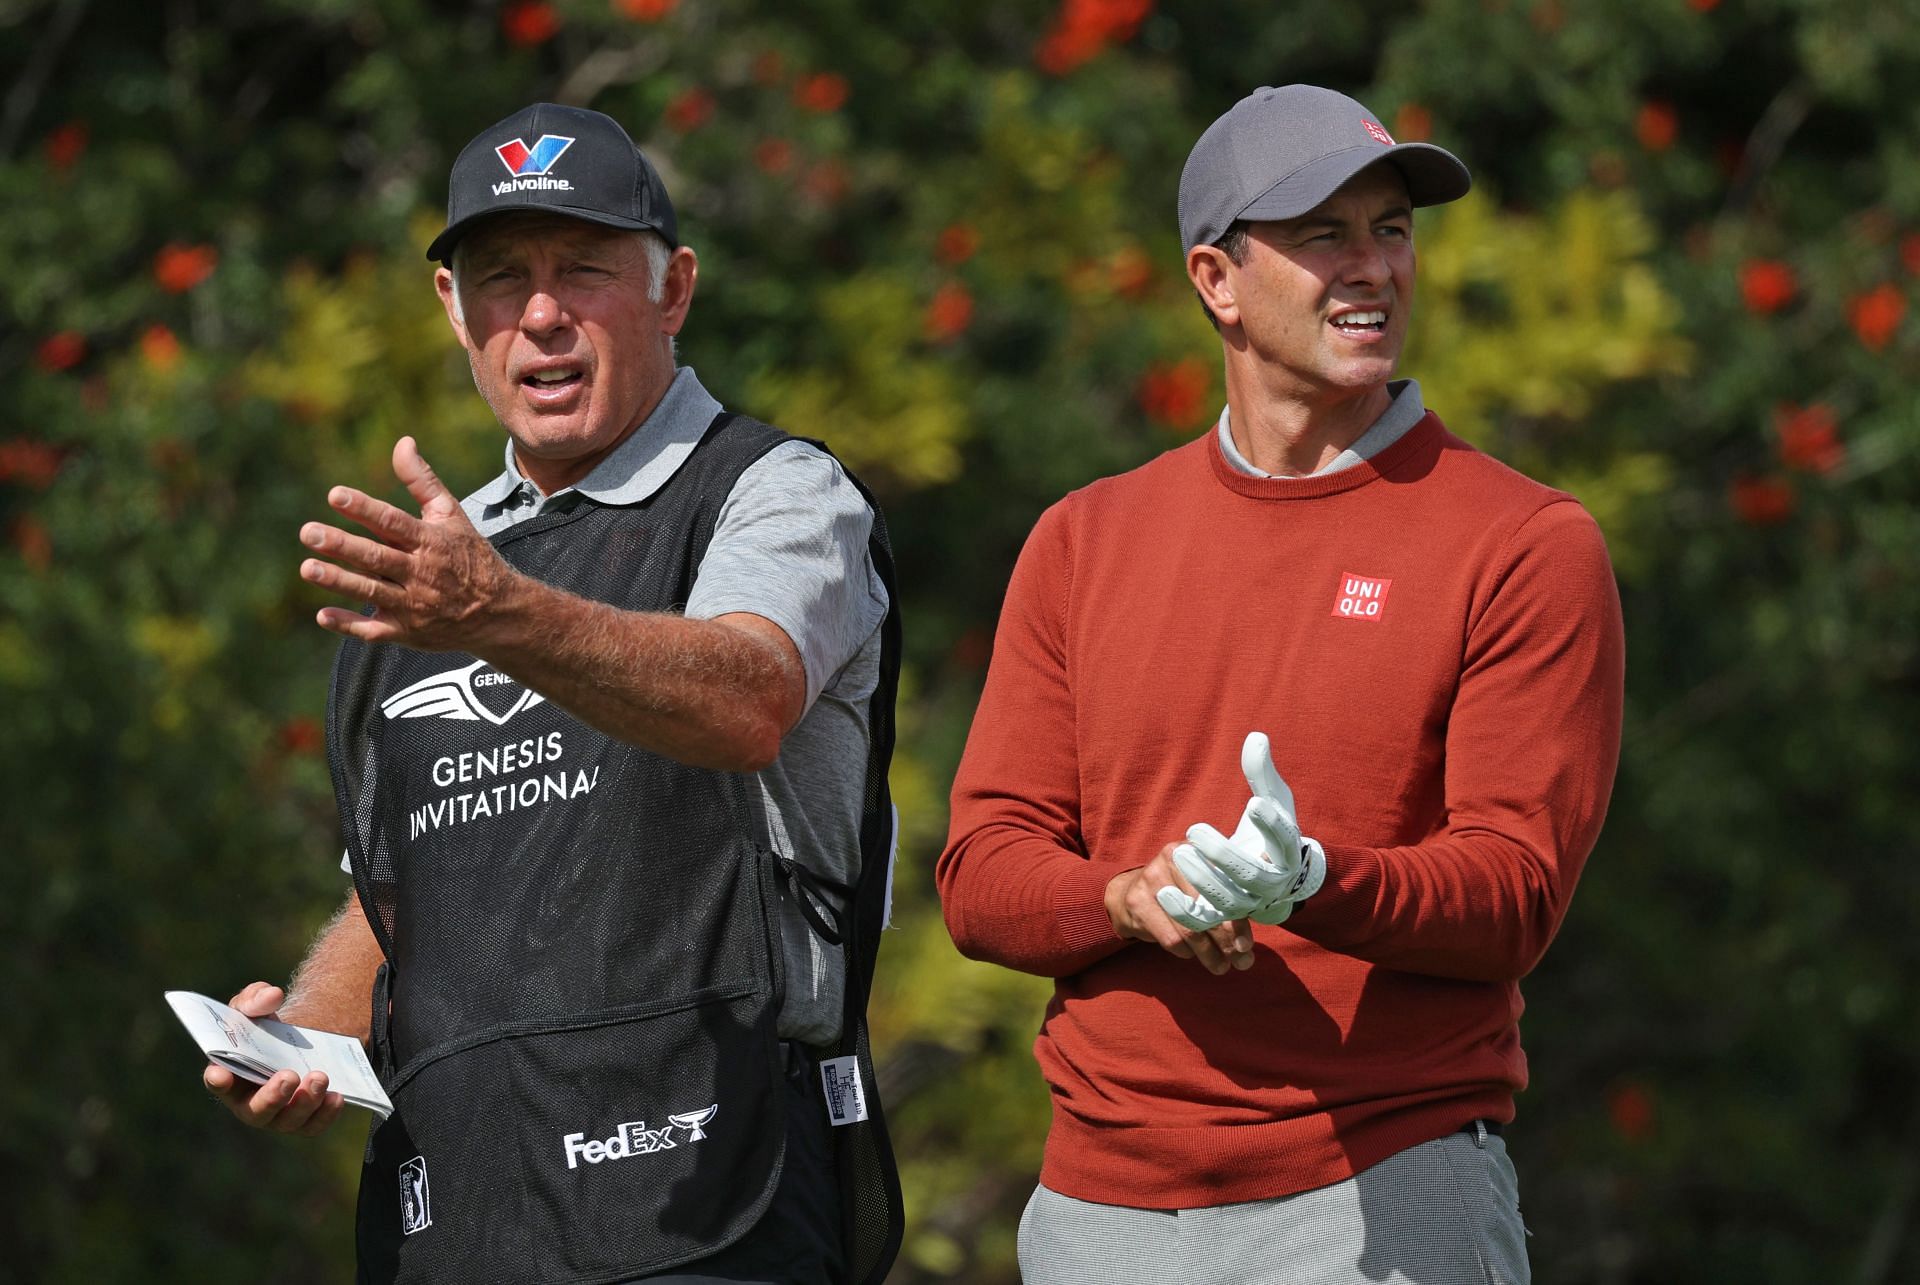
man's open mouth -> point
(552, 379)
(1361, 323)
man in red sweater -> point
(1284, 1052)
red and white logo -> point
(1361, 597)
(1378, 131)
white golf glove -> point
(1262, 872)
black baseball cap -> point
(566, 160)
(1277, 153)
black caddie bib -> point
(576, 1020)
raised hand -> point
(429, 579)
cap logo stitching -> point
(1378, 132)
(524, 161)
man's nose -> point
(1365, 262)
(544, 312)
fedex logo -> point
(1361, 597)
(523, 161)
(634, 1138)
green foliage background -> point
(934, 238)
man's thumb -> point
(422, 483)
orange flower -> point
(1412, 123)
(1809, 437)
(949, 314)
(1630, 1107)
(1656, 126)
(179, 268)
(159, 348)
(773, 155)
(66, 144)
(1130, 271)
(822, 92)
(1767, 285)
(302, 735)
(690, 109)
(769, 68)
(31, 464)
(35, 545)
(62, 350)
(1876, 315)
(644, 10)
(529, 22)
(1761, 501)
(1174, 394)
(956, 243)
(826, 182)
(1082, 28)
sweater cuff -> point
(1347, 902)
(1080, 907)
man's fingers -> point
(396, 526)
(356, 551)
(354, 624)
(352, 584)
(324, 1115)
(258, 999)
(1191, 913)
(1242, 862)
(1191, 859)
(422, 483)
(1256, 763)
(296, 1112)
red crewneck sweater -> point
(1433, 643)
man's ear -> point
(443, 283)
(1211, 272)
(676, 297)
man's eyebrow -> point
(1394, 212)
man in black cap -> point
(1397, 662)
(615, 804)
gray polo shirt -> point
(790, 545)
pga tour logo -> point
(529, 165)
(1361, 597)
(634, 1138)
(415, 1213)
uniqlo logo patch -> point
(1361, 597)
(1378, 132)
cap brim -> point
(1434, 176)
(442, 248)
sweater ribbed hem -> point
(1199, 1166)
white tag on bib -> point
(846, 1100)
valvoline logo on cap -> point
(530, 165)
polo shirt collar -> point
(636, 468)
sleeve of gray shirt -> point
(790, 545)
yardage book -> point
(255, 1047)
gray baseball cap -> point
(567, 160)
(1277, 153)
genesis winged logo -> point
(477, 691)
(526, 162)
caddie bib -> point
(576, 1019)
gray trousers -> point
(1446, 1212)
